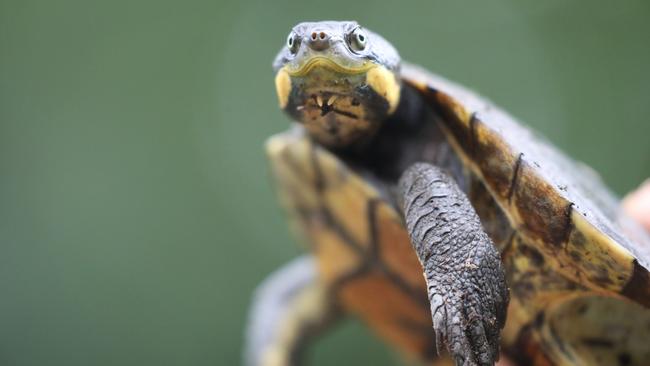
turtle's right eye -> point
(357, 40)
(292, 43)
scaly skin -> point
(462, 268)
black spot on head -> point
(624, 359)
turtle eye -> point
(292, 43)
(357, 39)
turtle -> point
(449, 228)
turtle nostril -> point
(319, 40)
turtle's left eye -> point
(292, 43)
(357, 39)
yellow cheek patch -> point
(384, 83)
(283, 87)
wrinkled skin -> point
(462, 268)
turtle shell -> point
(577, 268)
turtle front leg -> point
(289, 309)
(462, 268)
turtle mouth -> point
(337, 104)
(325, 103)
(323, 87)
(325, 62)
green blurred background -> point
(136, 214)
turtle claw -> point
(439, 316)
(464, 333)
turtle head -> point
(339, 80)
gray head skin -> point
(339, 80)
